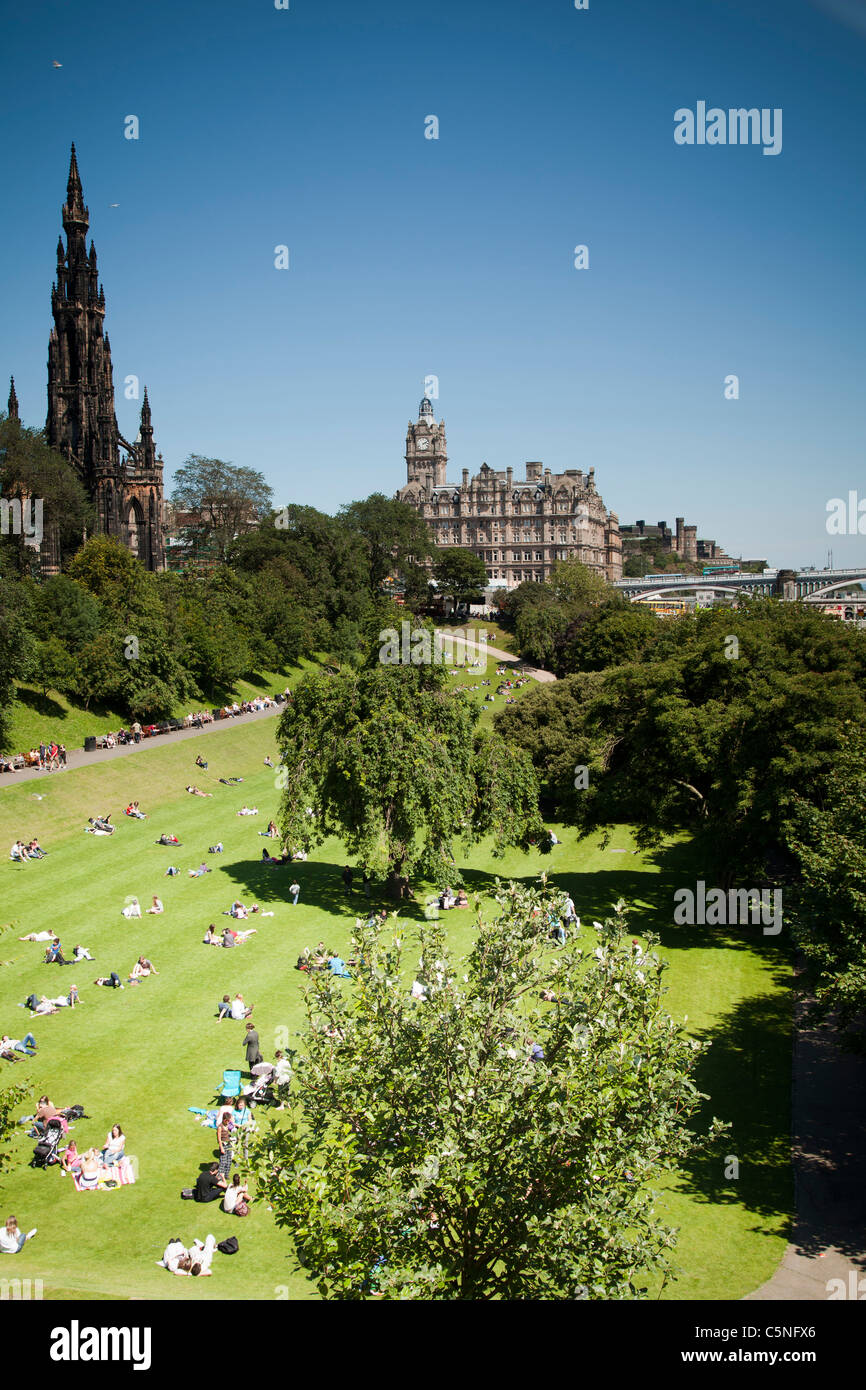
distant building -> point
(682, 542)
(519, 527)
(124, 480)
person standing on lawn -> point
(251, 1044)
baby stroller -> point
(261, 1090)
(45, 1152)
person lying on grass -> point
(248, 811)
(202, 869)
(67, 1001)
(12, 1241)
(38, 936)
(9, 1046)
(168, 840)
(237, 938)
(112, 981)
(44, 1006)
(196, 791)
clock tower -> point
(426, 450)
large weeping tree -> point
(497, 1137)
(392, 762)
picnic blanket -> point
(240, 1117)
(108, 1179)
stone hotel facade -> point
(519, 527)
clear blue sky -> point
(454, 256)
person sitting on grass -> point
(142, 968)
(271, 832)
(133, 810)
(224, 1007)
(19, 852)
(156, 906)
(239, 1009)
(248, 811)
(200, 762)
(209, 1187)
(70, 1159)
(236, 1198)
(132, 909)
(88, 1177)
(54, 954)
(35, 850)
(212, 937)
(114, 1147)
(168, 840)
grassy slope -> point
(36, 716)
(143, 1055)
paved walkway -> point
(76, 757)
(828, 1139)
(504, 658)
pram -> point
(260, 1092)
(45, 1152)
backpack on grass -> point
(229, 1246)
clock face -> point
(422, 443)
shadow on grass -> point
(747, 1075)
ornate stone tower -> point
(426, 449)
(126, 488)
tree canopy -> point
(497, 1137)
(392, 762)
(224, 499)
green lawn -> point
(143, 1055)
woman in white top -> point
(239, 1008)
(11, 1239)
(132, 909)
(38, 936)
(115, 1143)
(236, 1195)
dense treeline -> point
(105, 631)
(741, 727)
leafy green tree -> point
(497, 1138)
(29, 468)
(716, 730)
(11, 1097)
(17, 647)
(577, 586)
(223, 500)
(395, 536)
(616, 632)
(460, 574)
(54, 667)
(392, 762)
(828, 838)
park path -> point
(504, 658)
(828, 1141)
(76, 757)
